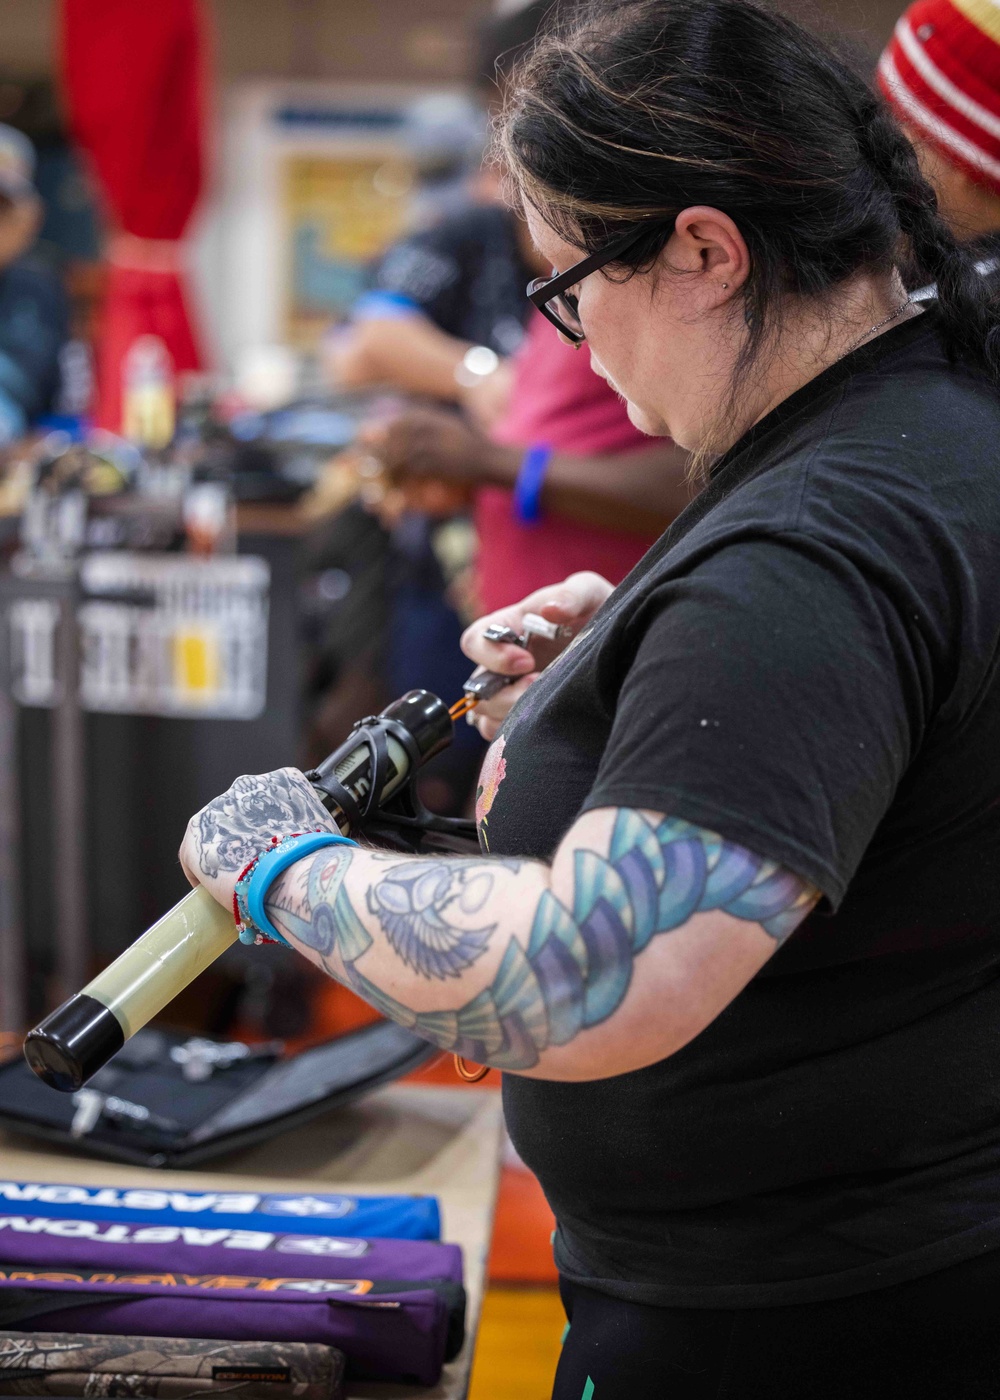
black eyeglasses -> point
(558, 304)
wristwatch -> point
(478, 362)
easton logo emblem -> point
(105, 1232)
(324, 1246)
(52, 1194)
(331, 1206)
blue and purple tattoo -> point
(576, 967)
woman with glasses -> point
(734, 937)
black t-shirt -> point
(466, 274)
(807, 663)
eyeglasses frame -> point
(542, 290)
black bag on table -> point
(171, 1100)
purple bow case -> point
(394, 1307)
(205, 1248)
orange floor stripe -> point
(522, 1232)
(518, 1344)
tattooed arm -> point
(640, 933)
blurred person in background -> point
(444, 312)
(34, 312)
(562, 482)
(559, 477)
(941, 74)
(446, 307)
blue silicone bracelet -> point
(530, 480)
(276, 860)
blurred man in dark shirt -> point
(446, 307)
(33, 307)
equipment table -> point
(401, 1139)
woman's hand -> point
(571, 604)
(226, 835)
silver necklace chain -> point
(877, 327)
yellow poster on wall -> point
(340, 212)
(196, 664)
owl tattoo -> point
(416, 905)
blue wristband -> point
(272, 863)
(530, 480)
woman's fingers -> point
(574, 602)
(571, 604)
(488, 728)
(490, 714)
(505, 657)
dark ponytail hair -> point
(970, 312)
(637, 109)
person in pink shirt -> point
(558, 402)
(563, 482)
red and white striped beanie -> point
(941, 73)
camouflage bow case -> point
(167, 1368)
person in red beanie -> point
(941, 74)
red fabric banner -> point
(135, 91)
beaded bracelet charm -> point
(259, 875)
